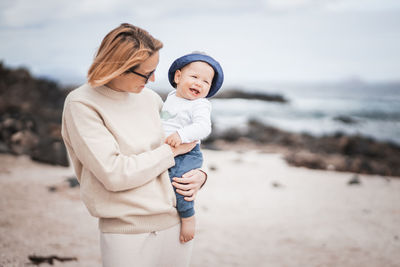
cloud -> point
(331, 5)
(21, 13)
(362, 5)
(265, 39)
(24, 13)
(280, 5)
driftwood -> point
(37, 260)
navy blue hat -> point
(189, 58)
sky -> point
(255, 41)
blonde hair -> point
(123, 48)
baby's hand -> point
(174, 140)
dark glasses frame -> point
(147, 77)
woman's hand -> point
(189, 184)
(183, 148)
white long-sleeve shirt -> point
(190, 118)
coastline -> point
(30, 124)
(340, 152)
(255, 210)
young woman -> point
(112, 130)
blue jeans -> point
(184, 163)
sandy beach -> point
(255, 210)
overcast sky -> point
(254, 40)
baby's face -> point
(194, 80)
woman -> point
(113, 133)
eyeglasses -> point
(147, 77)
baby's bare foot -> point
(187, 229)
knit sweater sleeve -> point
(200, 127)
(98, 151)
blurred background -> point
(256, 41)
(315, 82)
(332, 59)
(303, 67)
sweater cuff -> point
(170, 161)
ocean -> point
(372, 109)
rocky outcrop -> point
(345, 119)
(339, 152)
(30, 123)
(235, 93)
(30, 116)
(238, 93)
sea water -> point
(374, 109)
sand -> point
(255, 210)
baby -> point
(186, 117)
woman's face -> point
(134, 83)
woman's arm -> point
(96, 148)
(190, 183)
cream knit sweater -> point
(116, 144)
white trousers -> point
(161, 248)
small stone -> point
(213, 168)
(355, 180)
(52, 188)
(276, 184)
(73, 182)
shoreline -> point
(31, 114)
(340, 152)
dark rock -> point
(306, 159)
(232, 93)
(239, 93)
(30, 116)
(51, 151)
(52, 188)
(276, 185)
(345, 119)
(4, 148)
(23, 142)
(209, 145)
(73, 182)
(355, 180)
(231, 135)
(353, 153)
(212, 168)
